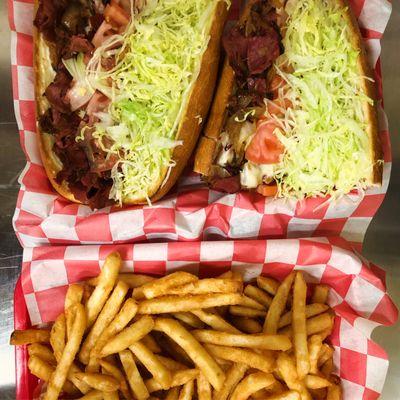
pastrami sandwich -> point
(294, 113)
(121, 90)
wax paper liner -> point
(191, 211)
(358, 292)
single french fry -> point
(58, 336)
(278, 305)
(102, 382)
(247, 312)
(59, 376)
(162, 286)
(334, 393)
(325, 354)
(193, 348)
(311, 311)
(314, 349)
(187, 391)
(205, 286)
(247, 325)
(258, 341)
(327, 368)
(173, 393)
(215, 321)
(269, 285)
(170, 363)
(132, 280)
(74, 295)
(258, 295)
(299, 326)
(314, 325)
(111, 395)
(233, 377)
(189, 319)
(263, 361)
(171, 304)
(173, 349)
(160, 373)
(107, 314)
(288, 395)
(43, 352)
(28, 336)
(137, 293)
(316, 382)
(117, 374)
(92, 395)
(128, 336)
(149, 341)
(203, 388)
(320, 294)
(135, 380)
(250, 303)
(107, 278)
(251, 384)
(82, 386)
(87, 292)
(179, 378)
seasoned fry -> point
(311, 311)
(117, 374)
(327, 367)
(289, 395)
(269, 285)
(259, 341)
(160, 373)
(325, 354)
(171, 304)
(203, 388)
(135, 380)
(233, 377)
(193, 348)
(128, 336)
(102, 382)
(278, 305)
(187, 391)
(149, 341)
(106, 315)
(314, 325)
(189, 319)
(173, 393)
(247, 325)
(264, 362)
(334, 393)
(132, 280)
(178, 379)
(242, 311)
(316, 382)
(314, 349)
(320, 294)
(74, 295)
(110, 395)
(250, 303)
(92, 395)
(29, 336)
(58, 335)
(299, 326)
(215, 321)
(162, 286)
(106, 282)
(43, 352)
(59, 376)
(170, 363)
(204, 286)
(251, 384)
(258, 295)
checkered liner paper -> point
(191, 211)
(358, 293)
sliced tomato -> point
(265, 147)
(277, 83)
(267, 190)
(105, 30)
(116, 15)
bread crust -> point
(203, 161)
(198, 103)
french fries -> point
(180, 337)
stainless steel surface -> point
(382, 244)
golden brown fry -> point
(28, 336)
(334, 393)
(179, 378)
(320, 294)
(110, 395)
(59, 376)
(162, 286)
(258, 341)
(187, 391)
(160, 373)
(326, 353)
(205, 286)
(74, 295)
(106, 282)
(128, 336)
(316, 382)
(58, 336)
(117, 374)
(171, 304)
(242, 311)
(318, 394)
(288, 395)
(258, 295)
(233, 377)
(247, 325)
(149, 341)
(314, 349)
(278, 305)
(263, 361)
(173, 393)
(170, 363)
(193, 348)
(102, 382)
(135, 380)
(41, 351)
(215, 321)
(203, 388)
(137, 293)
(327, 367)
(173, 349)
(87, 292)
(132, 280)
(106, 315)
(314, 325)
(251, 384)
(311, 311)
(92, 395)
(299, 326)
(251, 303)
(189, 319)
(269, 285)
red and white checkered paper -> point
(191, 211)
(358, 292)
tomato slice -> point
(116, 15)
(265, 147)
(267, 190)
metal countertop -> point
(382, 243)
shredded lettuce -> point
(324, 133)
(156, 67)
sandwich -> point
(294, 114)
(122, 88)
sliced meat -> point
(230, 184)
(56, 91)
(262, 51)
(77, 44)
